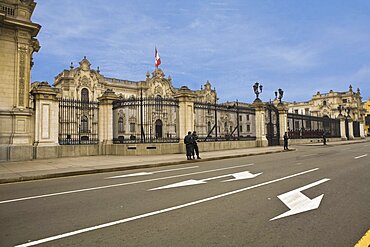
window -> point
(158, 103)
(209, 126)
(307, 111)
(84, 95)
(241, 128)
(84, 124)
(344, 100)
(120, 125)
(296, 111)
(132, 127)
(248, 128)
(240, 118)
(324, 102)
(247, 117)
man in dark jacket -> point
(189, 142)
(286, 141)
(196, 149)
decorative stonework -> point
(22, 75)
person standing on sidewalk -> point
(286, 141)
(196, 149)
(324, 137)
(189, 142)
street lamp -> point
(281, 93)
(257, 90)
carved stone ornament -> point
(158, 90)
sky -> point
(300, 46)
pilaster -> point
(106, 116)
(283, 121)
(342, 128)
(260, 124)
(186, 110)
(350, 129)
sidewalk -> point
(61, 167)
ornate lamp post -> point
(257, 87)
(281, 93)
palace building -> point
(86, 113)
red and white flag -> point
(157, 58)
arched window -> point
(120, 125)
(158, 129)
(209, 126)
(84, 124)
(158, 103)
(84, 95)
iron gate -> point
(272, 125)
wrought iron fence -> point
(78, 122)
(224, 122)
(146, 120)
(305, 126)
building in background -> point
(367, 118)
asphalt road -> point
(97, 210)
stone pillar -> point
(186, 111)
(342, 128)
(260, 124)
(106, 116)
(46, 121)
(362, 130)
(283, 121)
(350, 129)
(17, 45)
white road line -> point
(151, 173)
(93, 228)
(306, 155)
(117, 185)
(361, 156)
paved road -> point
(98, 210)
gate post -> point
(45, 121)
(283, 121)
(106, 116)
(342, 127)
(350, 129)
(186, 111)
(261, 139)
(362, 129)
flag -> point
(157, 58)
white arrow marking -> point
(361, 156)
(242, 175)
(237, 176)
(298, 202)
(150, 173)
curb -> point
(331, 143)
(125, 168)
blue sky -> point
(301, 46)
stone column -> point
(260, 124)
(362, 130)
(342, 128)
(106, 116)
(350, 129)
(283, 121)
(186, 111)
(46, 121)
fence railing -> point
(305, 126)
(78, 122)
(224, 122)
(146, 120)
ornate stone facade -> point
(327, 104)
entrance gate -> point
(272, 125)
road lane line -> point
(117, 185)
(151, 173)
(361, 156)
(105, 225)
